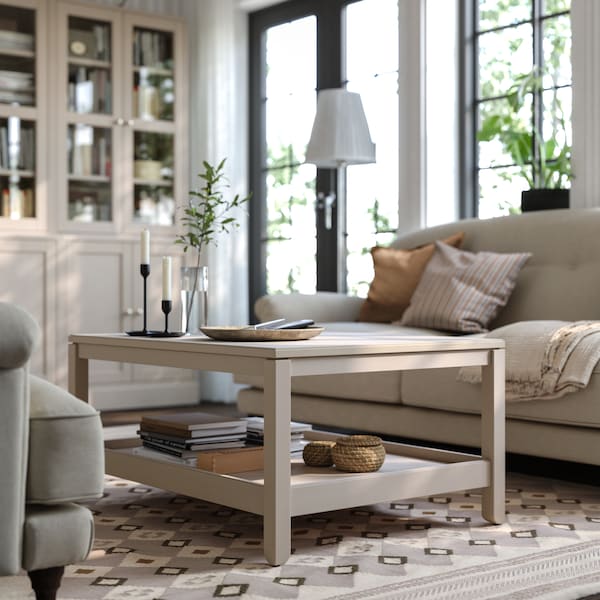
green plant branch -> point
(205, 216)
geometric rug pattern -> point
(156, 545)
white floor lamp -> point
(340, 137)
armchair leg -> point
(45, 582)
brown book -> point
(186, 435)
(231, 460)
(186, 422)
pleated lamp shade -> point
(340, 133)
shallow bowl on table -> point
(244, 334)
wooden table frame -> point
(286, 488)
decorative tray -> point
(244, 334)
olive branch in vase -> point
(207, 215)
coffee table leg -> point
(277, 507)
(78, 374)
(493, 436)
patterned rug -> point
(157, 545)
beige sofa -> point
(560, 281)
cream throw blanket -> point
(545, 359)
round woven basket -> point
(318, 453)
(358, 453)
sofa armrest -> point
(18, 335)
(320, 306)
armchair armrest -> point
(18, 335)
(321, 307)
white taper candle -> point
(166, 278)
(145, 247)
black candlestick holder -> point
(166, 308)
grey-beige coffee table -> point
(286, 487)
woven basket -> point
(358, 453)
(318, 453)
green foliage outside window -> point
(524, 108)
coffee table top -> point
(326, 344)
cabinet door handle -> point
(128, 312)
(130, 122)
(119, 121)
(139, 311)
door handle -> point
(326, 203)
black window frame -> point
(469, 98)
(330, 74)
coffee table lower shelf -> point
(408, 471)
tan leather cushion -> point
(463, 291)
(397, 274)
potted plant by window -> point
(206, 215)
(543, 156)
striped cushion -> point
(463, 291)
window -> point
(296, 49)
(520, 101)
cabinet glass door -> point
(90, 108)
(89, 47)
(154, 95)
(154, 202)
(17, 168)
(89, 164)
(153, 79)
(18, 114)
(17, 56)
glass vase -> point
(194, 298)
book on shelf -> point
(187, 422)
(257, 425)
(233, 460)
(190, 436)
(192, 453)
(189, 444)
(256, 433)
(16, 40)
(162, 456)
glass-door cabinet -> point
(89, 111)
(156, 96)
(121, 91)
(22, 116)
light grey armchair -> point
(52, 456)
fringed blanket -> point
(545, 359)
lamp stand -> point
(342, 233)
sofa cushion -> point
(438, 388)
(463, 291)
(56, 535)
(397, 273)
(58, 423)
(370, 387)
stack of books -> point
(17, 87)
(184, 435)
(256, 433)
